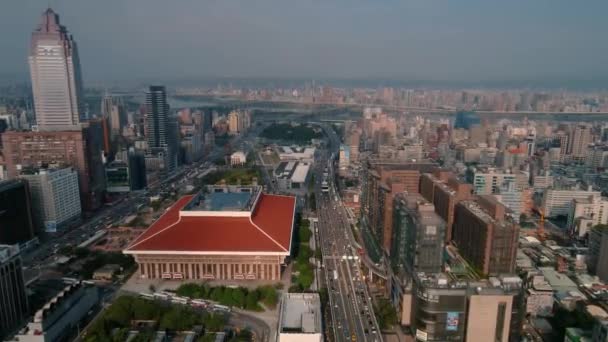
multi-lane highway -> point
(351, 306)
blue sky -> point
(453, 40)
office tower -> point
(55, 197)
(106, 105)
(114, 111)
(118, 119)
(79, 149)
(418, 234)
(15, 213)
(485, 236)
(13, 298)
(137, 170)
(382, 180)
(207, 121)
(597, 260)
(157, 113)
(579, 141)
(159, 129)
(56, 77)
(233, 122)
(444, 190)
(105, 133)
(173, 142)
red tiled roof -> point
(268, 230)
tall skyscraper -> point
(233, 122)
(13, 298)
(157, 111)
(112, 108)
(56, 76)
(159, 128)
(15, 212)
(106, 105)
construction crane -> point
(540, 231)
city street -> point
(351, 306)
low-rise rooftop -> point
(300, 314)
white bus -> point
(219, 307)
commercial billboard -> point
(451, 322)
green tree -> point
(120, 335)
(385, 313)
(251, 301)
(312, 201)
(119, 313)
(145, 309)
(217, 293)
(206, 338)
(304, 233)
(214, 322)
(238, 297)
(304, 254)
(190, 290)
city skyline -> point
(359, 214)
(466, 42)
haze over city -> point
(273, 171)
(532, 42)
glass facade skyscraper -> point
(56, 76)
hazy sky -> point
(424, 40)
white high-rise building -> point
(587, 212)
(55, 197)
(558, 202)
(56, 76)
